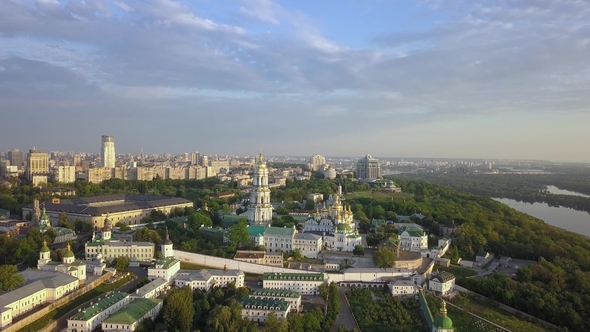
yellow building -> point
(37, 166)
(126, 208)
(110, 249)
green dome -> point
(443, 322)
(69, 254)
(44, 249)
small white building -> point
(412, 238)
(483, 257)
(260, 257)
(207, 279)
(304, 283)
(88, 319)
(308, 244)
(442, 282)
(165, 268)
(293, 298)
(151, 290)
(279, 239)
(258, 309)
(403, 288)
(127, 318)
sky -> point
(429, 78)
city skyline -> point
(461, 80)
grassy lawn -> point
(458, 271)
(377, 195)
(494, 314)
(61, 311)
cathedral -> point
(69, 264)
(337, 225)
(260, 209)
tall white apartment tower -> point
(368, 168)
(316, 162)
(107, 153)
(260, 210)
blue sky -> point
(465, 79)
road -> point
(345, 317)
(62, 322)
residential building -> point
(16, 158)
(260, 257)
(45, 288)
(65, 174)
(279, 239)
(109, 249)
(403, 288)
(195, 158)
(207, 279)
(90, 318)
(37, 166)
(151, 290)
(260, 209)
(258, 309)
(442, 282)
(165, 268)
(127, 318)
(412, 238)
(304, 283)
(107, 152)
(317, 162)
(293, 298)
(308, 244)
(127, 208)
(368, 168)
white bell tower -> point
(260, 210)
(166, 246)
(44, 255)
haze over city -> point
(460, 79)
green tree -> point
(358, 250)
(121, 263)
(238, 234)
(179, 310)
(123, 227)
(282, 211)
(309, 205)
(323, 289)
(10, 279)
(198, 219)
(385, 258)
(273, 324)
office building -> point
(317, 162)
(37, 166)
(107, 152)
(368, 168)
(16, 158)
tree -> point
(358, 250)
(179, 310)
(385, 258)
(238, 234)
(10, 279)
(148, 235)
(273, 324)
(82, 226)
(121, 263)
(198, 219)
(309, 205)
(282, 211)
(323, 289)
(123, 227)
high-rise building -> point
(16, 158)
(317, 162)
(368, 168)
(260, 210)
(65, 174)
(195, 158)
(107, 153)
(37, 166)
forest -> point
(528, 188)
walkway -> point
(345, 317)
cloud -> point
(262, 10)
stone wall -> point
(42, 312)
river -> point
(557, 191)
(562, 217)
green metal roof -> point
(279, 231)
(413, 231)
(293, 276)
(69, 254)
(164, 263)
(256, 231)
(270, 303)
(275, 292)
(133, 312)
(99, 307)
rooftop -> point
(36, 281)
(249, 254)
(133, 312)
(280, 231)
(307, 236)
(100, 306)
(270, 303)
(265, 292)
(164, 263)
(293, 276)
(256, 231)
(155, 284)
(115, 243)
(101, 205)
(443, 276)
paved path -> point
(345, 317)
